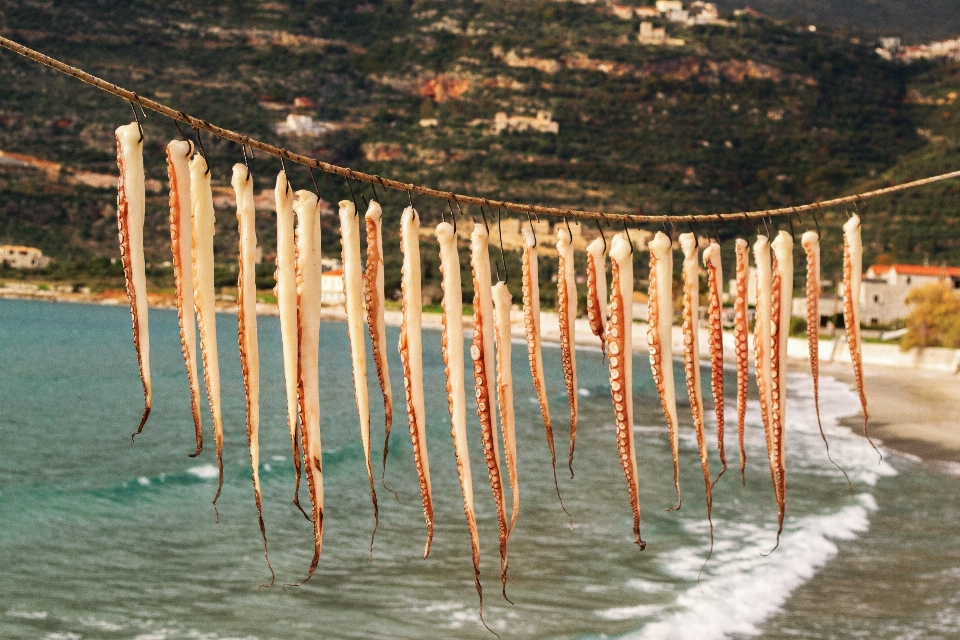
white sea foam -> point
(143, 480)
(27, 615)
(63, 636)
(740, 587)
(206, 471)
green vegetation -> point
(760, 114)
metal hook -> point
(743, 227)
(567, 222)
(533, 231)
(503, 259)
(716, 232)
(139, 126)
(765, 227)
(443, 216)
(815, 221)
(243, 148)
(692, 232)
(857, 207)
(602, 237)
(375, 197)
(484, 214)
(792, 232)
(627, 231)
(352, 196)
(284, 166)
(203, 153)
(316, 187)
(182, 134)
(410, 198)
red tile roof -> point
(916, 270)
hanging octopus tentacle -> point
(308, 273)
(204, 293)
(852, 273)
(740, 341)
(373, 295)
(567, 313)
(242, 184)
(691, 362)
(620, 344)
(181, 240)
(660, 342)
(451, 341)
(711, 261)
(597, 291)
(531, 326)
(411, 359)
(131, 197)
(286, 293)
(481, 352)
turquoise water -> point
(101, 540)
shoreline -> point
(910, 408)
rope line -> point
(410, 188)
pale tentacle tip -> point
(719, 475)
(143, 421)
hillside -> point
(747, 114)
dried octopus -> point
(502, 301)
(810, 241)
(660, 340)
(691, 359)
(131, 197)
(204, 294)
(374, 298)
(620, 345)
(740, 333)
(353, 294)
(711, 261)
(781, 305)
(852, 270)
(481, 352)
(308, 274)
(286, 292)
(597, 290)
(242, 183)
(181, 240)
(567, 312)
(531, 327)
(453, 363)
(411, 358)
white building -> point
(331, 288)
(542, 122)
(20, 257)
(883, 296)
(297, 125)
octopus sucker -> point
(181, 240)
(852, 273)
(567, 312)
(763, 351)
(740, 341)
(597, 290)
(531, 326)
(308, 272)
(711, 262)
(810, 241)
(451, 342)
(286, 292)
(502, 301)
(242, 183)
(411, 358)
(620, 344)
(353, 290)
(691, 360)
(481, 352)
(660, 341)
(373, 297)
(201, 198)
(131, 198)
(781, 305)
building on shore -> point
(331, 288)
(883, 296)
(20, 257)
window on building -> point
(909, 280)
(874, 322)
(876, 298)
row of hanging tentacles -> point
(298, 271)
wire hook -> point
(352, 196)
(533, 231)
(243, 148)
(602, 237)
(316, 187)
(203, 153)
(627, 231)
(503, 259)
(137, 118)
(817, 222)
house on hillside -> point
(20, 257)
(883, 296)
(331, 288)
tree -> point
(935, 318)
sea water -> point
(99, 539)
